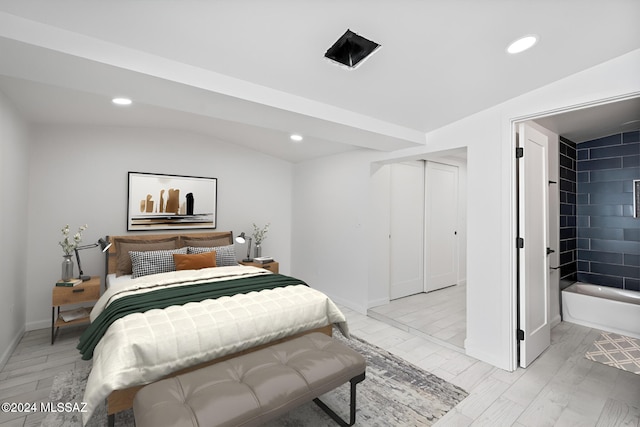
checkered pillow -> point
(225, 255)
(153, 262)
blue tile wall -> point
(607, 234)
(568, 181)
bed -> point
(138, 334)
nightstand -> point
(87, 291)
(271, 266)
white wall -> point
(332, 197)
(78, 175)
(330, 229)
(14, 151)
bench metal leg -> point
(111, 420)
(352, 406)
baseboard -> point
(378, 302)
(489, 358)
(555, 321)
(348, 304)
(40, 324)
(11, 347)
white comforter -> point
(143, 347)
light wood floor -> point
(561, 388)
(29, 372)
(440, 315)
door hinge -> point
(520, 335)
(519, 242)
(519, 152)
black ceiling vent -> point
(351, 49)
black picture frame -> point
(171, 202)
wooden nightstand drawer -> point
(271, 266)
(75, 294)
(87, 291)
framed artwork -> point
(170, 202)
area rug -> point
(394, 393)
(616, 350)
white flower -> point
(260, 234)
(70, 243)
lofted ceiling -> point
(253, 72)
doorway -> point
(422, 219)
(576, 124)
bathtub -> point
(608, 309)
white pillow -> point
(225, 255)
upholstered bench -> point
(253, 388)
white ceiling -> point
(251, 72)
(595, 122)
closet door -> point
(406, 261)
(441, 226)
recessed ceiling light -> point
(522, 44)
(121, 101)
(296, 137)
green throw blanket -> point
(178, 295)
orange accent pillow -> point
(195, 261)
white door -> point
(406, 262)
(533, 292)
(441, 226)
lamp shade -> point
(104, 245)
